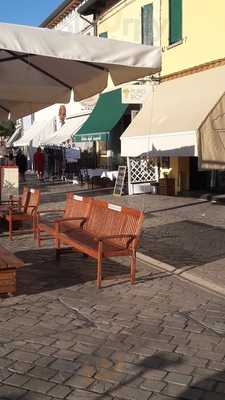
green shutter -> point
(175, 20)
(147, 24)
(103, 34)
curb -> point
(183, 272)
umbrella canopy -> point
(39, 66)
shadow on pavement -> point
(184, 243)
(43, 272)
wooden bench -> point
(108, 231)
(77, 209)
(8, 266)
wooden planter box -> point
(167, 186)
(8, 266)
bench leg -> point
(99, 266)
(133, 268)
(10, 229)
(57, 249)
(34, 227)
(38, 237)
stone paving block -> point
(130, 393)
(220, 387)
(179, 391)
(179, 379)
(102, 387)
(38, 385)
(65, 365)
(125, 357)
(42, 373)
(154, 374)
(61, 376)
(10, 392)
(85, 395)
(44, 361)
(36, 396)
(86, 370)
(153, 385)
(20, 367)
(213, 396)
(110, 376)
(158, 396)
(60, 391)
(48, 350)
(97, 362)
(66, 354)
(16, 380)
(5, 362)
(23, 356)
(4, 374)
(80, 382)
(128, 368)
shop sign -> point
(135, 94)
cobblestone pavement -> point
(61, 338)
(182, 232)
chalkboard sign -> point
(119, 184)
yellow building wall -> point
(123, 21)
(203, 35)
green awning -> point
(107, 112)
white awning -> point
(14, 136)
(171, 116)
(40, 67)
(36, 134)
(70, 128)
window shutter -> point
(103, 34)
(175, 21)
(147, 24)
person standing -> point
(21, 162)
(39, 163)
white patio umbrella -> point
(40, 67)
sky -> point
(27, 12)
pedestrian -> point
(21, 162)
(39, 163)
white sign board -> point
(9, 182)
(135, 94)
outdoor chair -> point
(24, 210)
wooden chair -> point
(25, 210)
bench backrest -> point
(76, 206)
(107, 219)
(24, 199)
(33, 201)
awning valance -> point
(107, 112)
(169, 121)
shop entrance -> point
(199, 180)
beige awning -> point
(39, 66)
(169, 121)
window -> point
(103, 35)
(147, 24)
(175, 21)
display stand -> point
(120, 181)
(9, 182)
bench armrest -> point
(49, 211)
(60, 221)
(122, 236)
